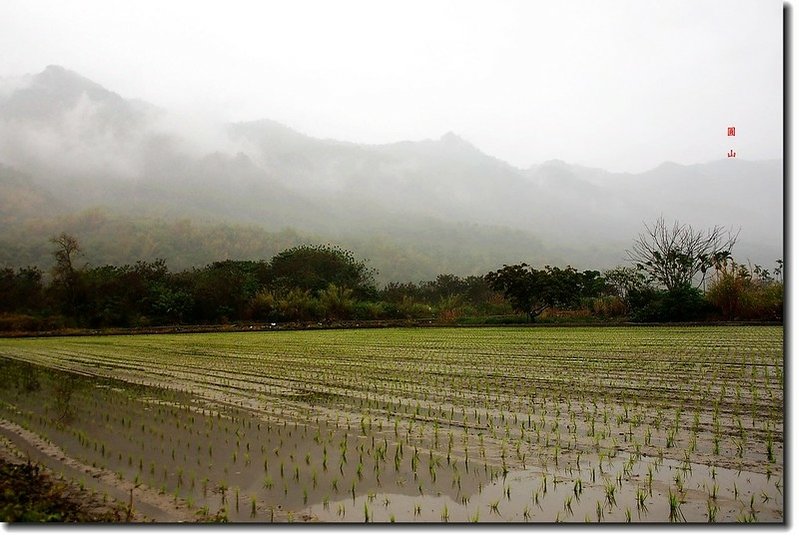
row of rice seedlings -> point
(501, 424)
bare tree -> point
(66, 279)
(672, 256)
(66, 248)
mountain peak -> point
(451, 138)
(62, 81)
(56, 73)
(669, 165)
(53, 68)
(556, 163)
(47, 97)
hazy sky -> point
(622, 85)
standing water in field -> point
(538, 425)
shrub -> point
(449, 309)
(554, 315)
(410, 309)
(684, 303)
(727, 292)
(767, 302)
(335, 302)
(298, 305)
(608, 307)
(263, 306)
(448, 315)
(26, 323)
(741, 294)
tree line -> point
(676, 274)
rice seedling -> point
(610, 493)
(747, 518)
(675, 510)
(445, 513)
(770, 448)
(567, 505)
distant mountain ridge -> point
(67, 145)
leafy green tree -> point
(623, 287)
(21, 291)
(446, 287)
(396, 292)
(522, 286)
(532, 291)
(566, 288)
(478, 291)
(170, 303)
(123, 296)
(315, 267)
(223, 290)
(105, 302)
(621, 281)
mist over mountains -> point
(134, 181)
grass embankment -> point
(29, 494)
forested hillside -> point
(134, 181)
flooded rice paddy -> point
(640, 424)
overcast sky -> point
(622, 85)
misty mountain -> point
(45, 97)
(415, 208)
(21, 199)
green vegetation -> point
(401, 250)
(532, 291)
(313, 283)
